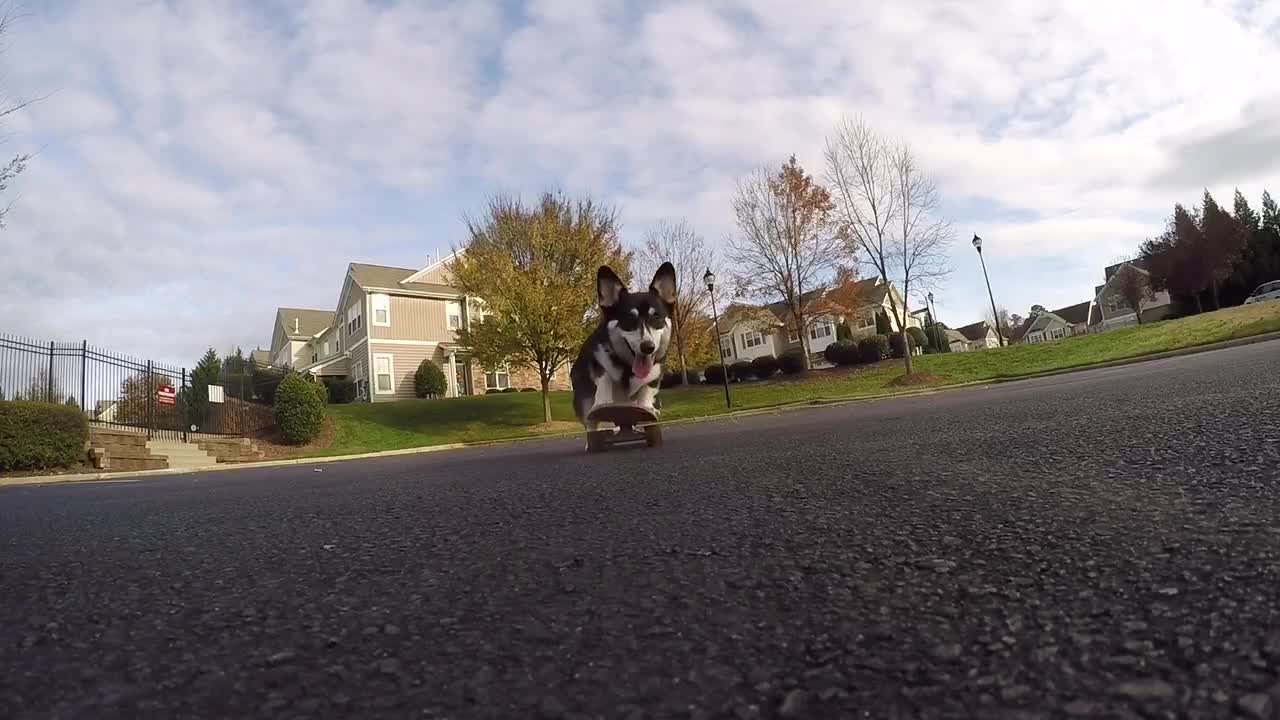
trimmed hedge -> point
(528, 389)
(741, 370)
(842, 353)
(429, 380)
(299, 409)
(714, 374)
(921, 339)
(671, 379)
(37, 435)
(764, 366)
(895, 344)
(791, 362)
(873, 348)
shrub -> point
(672, 379)
(873, 349)
(714, 374)
(321, 391)
(837, 353)
(528, 389)
(895, 344)
(764, 366)
(741, 370)
(36, 435)
(882, 324)
(299, 410)
(429, 380)
(341, 392)
(509, 390)
(843, 332)
(918, 336)
(791, 362)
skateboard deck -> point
(632, 423)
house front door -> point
(461, 375)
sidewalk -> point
(781, 407)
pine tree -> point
(206, 373)
(1222, 242)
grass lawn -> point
(388, 426)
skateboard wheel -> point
(595, 442)
(653, 435)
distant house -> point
(977, 336)
(751, 331)
(1045, 326)
(956, 340)
(1113, 311)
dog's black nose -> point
(647, 347)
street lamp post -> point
(710, 279)
(933, 321)
(995, 316)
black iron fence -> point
(115, 390)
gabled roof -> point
(1075, 314)
(738, 312)
(392, 278)
(260, 357)
(1138, 262)
(954, 336)
(309, 322)
(975, 331)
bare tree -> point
(682, 246)
(1133, 287)
(786, 242)
(19, 162)
(889, 208)
(1003, 320)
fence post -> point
(151, 400)
(49, 380)
(84, 361)
(182, 393)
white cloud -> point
(207, 162)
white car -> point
(1265, 291)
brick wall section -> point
(522, 378)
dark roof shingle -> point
(975, 331)
(309, 322)
(383, 276)
(1075, 314)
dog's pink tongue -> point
(642, 366)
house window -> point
(453, 310)
(315, 357)
(326, 349)
(821, 330)
(752, 338)
(383, 380)
(355, 318)
(866, 321)
(793, 335)
(382, 310)
(497, 379)
(726, 347)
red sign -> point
(166, 395)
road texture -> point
(1103, 544)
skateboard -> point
(632, 424)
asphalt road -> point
(1103, 544)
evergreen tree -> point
(882, 324)
(1222, 242)
(206, 373)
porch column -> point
(453, 375)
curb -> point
(128, 476)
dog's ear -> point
(608, 287)
(664, 284)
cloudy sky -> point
(197, 164)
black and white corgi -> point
(621, 362)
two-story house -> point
(748, 331)
(1045, 326)
(1114, 311)
(389, 320)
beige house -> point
(389, 320)
(748, 331)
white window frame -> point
(752, 339)
(1057, 333)
(726, 347)
(793, 335)
(381, 303)
(326, 349)
(504, 372)
(355, 317)
(449, 307)
(824, 327)
(391, 372)
(866, 321)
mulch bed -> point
(916, 380)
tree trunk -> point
(1217, 304)
(546, 399)
(804, 347)
(1199, 304)
(1137, 312)
(906, 348)
(684, 369)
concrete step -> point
(180, 455)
